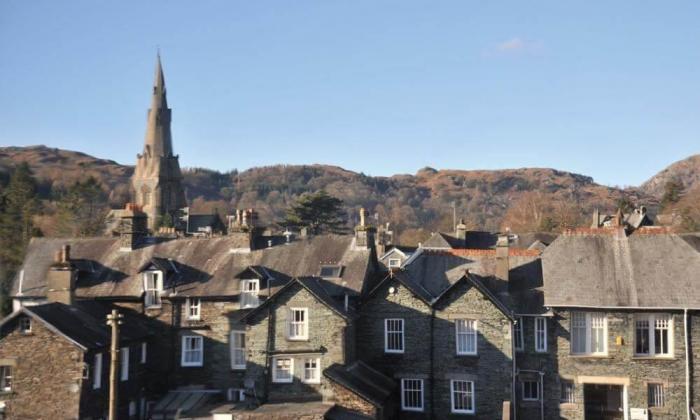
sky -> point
(609, 89)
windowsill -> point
(311, 382)
(468, 355)
(567, 406)
(394, 352)
(191, 365)
(463, 413)
(658, 410)
(194, 319)
(415, 410)
(298, 339)
(281, 382)
(647, 357)
(153, 307)
(590, 356)
(238, 368)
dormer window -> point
(194, 309)
(249, 293)
(153, 288)
(25, 325)
(331, 271)
(394, 262)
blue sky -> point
(607, 89)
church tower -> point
(157, 180)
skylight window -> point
(331, 271)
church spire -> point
(157, 180)
(158, 138)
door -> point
(603, 402)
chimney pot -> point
(65, 253)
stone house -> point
(294, 336)
(442, 335)
(54, 363)
(625, 323)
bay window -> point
(653, 335)
(589, 333)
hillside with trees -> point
(526, 199)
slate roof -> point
(607, 268)
(485, 240)
(318, 287)
(205, 267)
(433, 272)
(361, 379)
(84, 323)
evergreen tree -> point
(673, 191)
(319, 212)
(82, 209)
(18, 206)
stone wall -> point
(353, 402)
(529, 361)
(491, 369)
(620, 365)
(47, 376)
(325, 340)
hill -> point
(687, 171)
(414, 204)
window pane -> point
(462, 396)
(412, 394)
(661, 334)
(394, 334)
(466, 336)
(656, 395)
(642, 336)
(567, 392)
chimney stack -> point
(60, 280)
(133, 227)
(461, 232)
(364, 233)
(502, 263)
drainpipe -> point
(512, 385)
(542, 396)
(541, 389)
(432, 357)
(687, 363)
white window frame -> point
(152, 295)
(294, 326)
(652, 320)
(249, 293)
(238, 351)
(421, 389)
(470, 329)
(199, 349)
(466, 392)
(25, 325)
(394, 263)
(567, 396)
(588, 332)
(401, 331)
(97, 371)
(193, 306)
(144, 353)
(316, 379)
(537, 387)
(540, 343)
(4, 369)
(124, 364)
(275, 376)
(656, 398)
(518, 334)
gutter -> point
(687, 364)
(513, 395)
